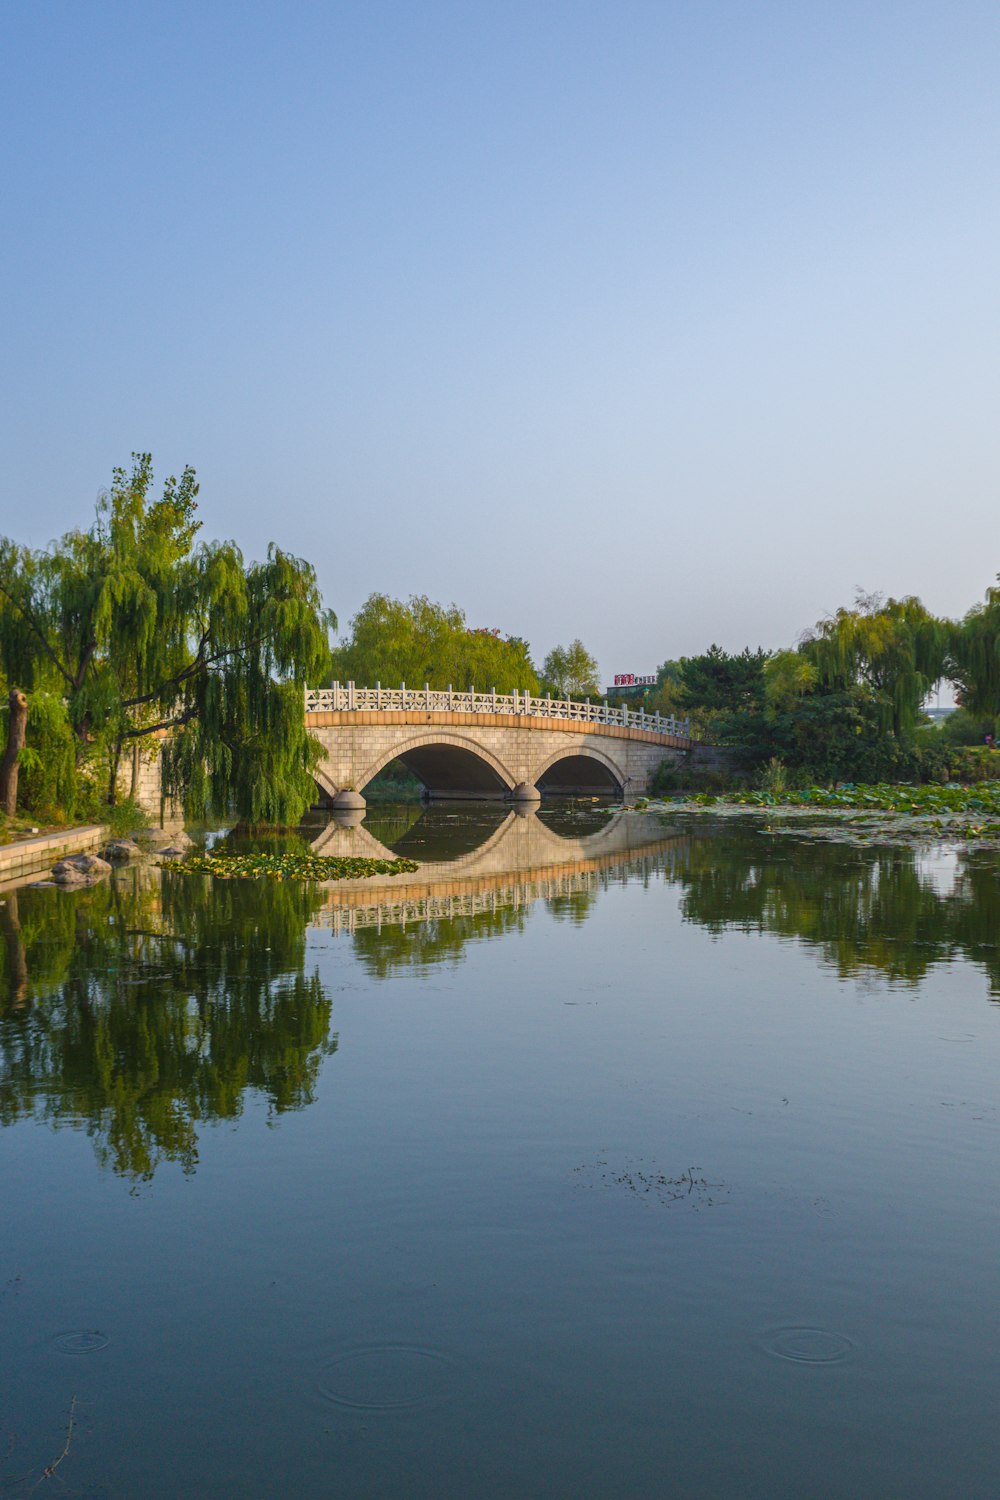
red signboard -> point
(629, 679)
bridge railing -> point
(349, 698)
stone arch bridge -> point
(494, 745)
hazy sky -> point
(655, 324)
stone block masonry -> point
(460, 754)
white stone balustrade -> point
(348, 698)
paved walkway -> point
(32, 856)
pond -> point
(605, 1155)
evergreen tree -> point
(719, 682)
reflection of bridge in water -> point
(522, 860)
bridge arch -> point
(325, 781)
(447, 763)
(575, 770)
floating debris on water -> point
(691, 1186)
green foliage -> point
(895, 650)
(830, 736)
(665, 697)
(788, 676)
(47, 781)
(844, 705)
(975, 648)
(964, 728)
(974, 763)
(671, 779)
(298, 864)
(121, 818)
(143, 631)
(419, 642)
(719, 682)
(774, 778)
(886, 797)
(394, 783)
(571, 672)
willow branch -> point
(200, 663)
(172, 723)
(36, 630)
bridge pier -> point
(348, 800)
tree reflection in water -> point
(152, 1004)
(870, 910)
(419, 945)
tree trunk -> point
(133, 790)
(116, 760)
(17, 959)
(15, 744)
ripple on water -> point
(386, 1377)
(80, 1341)
(808, 1346)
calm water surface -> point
(602, 1157)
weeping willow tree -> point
(976, 654)
(149, 635)
(895, 649)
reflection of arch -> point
(614, 826)
(585, 752)
(340, 838)
(473, 769)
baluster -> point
(427, 695)
(450, 697)
(350, 695)
(336, 695)
(378, 697)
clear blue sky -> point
(655, 324)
